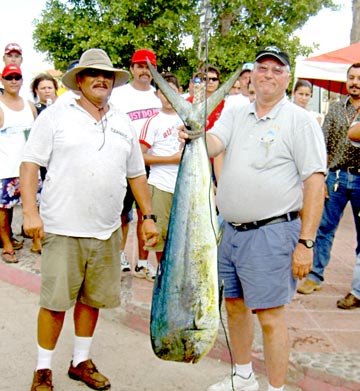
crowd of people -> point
(81, 162)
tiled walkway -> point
(325, 340)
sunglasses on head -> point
(92, 72)
(12, 77)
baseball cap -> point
(11, 69)
(143, 54)
(247, 67)
(275, 52)
(13, 47)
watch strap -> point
(149, 217)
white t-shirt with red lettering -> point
(138, 105)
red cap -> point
(142, 55)
(13, 47)
(11, 69)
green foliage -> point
(238, 29)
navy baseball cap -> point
(274, 52)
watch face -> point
(309, 243)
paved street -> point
(325, 340)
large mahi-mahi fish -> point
(185, 303)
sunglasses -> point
(210, 79)
(12, 77)
(91, 72)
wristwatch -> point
(150, 217)
(307, 242)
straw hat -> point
(97, 59)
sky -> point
(331, 30)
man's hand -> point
(302, 261)
(150, 233)
(189, 134)
(33, 225)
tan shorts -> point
(80, 269)
(161, 204)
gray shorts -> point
(83, 269)
(257, 264)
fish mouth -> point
(187, 346)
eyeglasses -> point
(276, 70)
(92, 72)
(210, 79)
(12, 77)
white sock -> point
(44, 358)
(81, 349)
(271, 388)
(244, 370)
(142, 262)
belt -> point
(272, 220)
(350, 170)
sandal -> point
(9, 257)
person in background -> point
(16, 119)
(64, 94)
(138, 100)
(211, 77)
(242, 97)
(245, 78)
(90, 149)
(161, 151)
(44, 89)
(196, 78)
(13, 54)
(252, 94)
(302, 94)
(274, 166)
(342, 186)
(235, 89)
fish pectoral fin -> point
(198, 317)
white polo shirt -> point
(87, 166)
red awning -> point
(329, 70)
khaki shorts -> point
(80, 269)
(161, 204)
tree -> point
(355, 29)
(238, 29)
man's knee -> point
(236, 308)
(271, 318)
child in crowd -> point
(161, 151)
